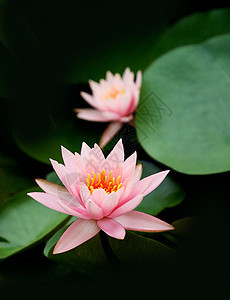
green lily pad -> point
(24, 222)
(47, 144)
(183, 116)
(194, 29)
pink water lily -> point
(102, 193)
(114, 99)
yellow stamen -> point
(100, 180)
(113, 92)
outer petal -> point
(96, 115)
(137, 173)
(91, 100)
(48, 200)
(115, 157)
(135, 220)
(55, 189)
(138, 79)
(77, 233)
(95, 160)
(148, 184)
(110, 131)
(69, 159)
(58, 204)
(129, 166)
(112, 228)
(85, 150)
(126, 207)
(66, 177)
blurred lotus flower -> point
(102, 193)
(114, 99)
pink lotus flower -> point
(114, 99)
(102, 193)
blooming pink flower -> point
(114, 99)
(102, 193)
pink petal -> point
(85, 150)
(128, 76)
(126, 119)
(115, 157)
(138, 172)
(148, 184)
(138, 79)
(98, 196)
(95, 161)
(129, 166)
(80, 166)
(55, 189)
(95, 87)
(110, 131)
(109, 76)
(109, 203)
(48, 201)
(127, 206)
(69, 159)
(135, 220)
(64, 175)
(126, 193)
(96, 115)
(94, 210)
(112, 228)
(56, 203)
(91, 100)
(77, 233)
(84, 193)
(131, 160)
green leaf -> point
(90, 259)
(183, 116)
(194, 29)
(12, 177)
(139, 251)
(47, 143)
(168, 194)
(24, 222)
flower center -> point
(113, 92)
(101, 181)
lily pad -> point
(183, 116)
(193, 29)
(46, 143)
(24, 222)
